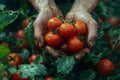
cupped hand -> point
(40, 24)
(82, 15)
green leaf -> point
(2, 7)
(7, 17)
(12, 69)
(88, 75)
(4, 51)
(65, 64)
(40, 59)
(2, 68)
(32, 70)
(29, 34)
(25, 55)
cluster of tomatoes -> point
(65, 35)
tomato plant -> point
(105, 67)
(25, 23)
(14, 59)
(53, 39)
(67, 30)
(48, 78)
(54, 23)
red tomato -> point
(75, 44)
(6, 44)
(81, 28)
(114, 21)
(25, 23)
(67, 30)
(52, 39)
(14, 59)
(20, 34)
(33, 57)
(48, 78)
(16, 76)
(105, 67)
(54, 23)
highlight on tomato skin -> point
(54, 23)
(48, 78)
(75, 44)
(81, 28)
(14, 59)
(105, 67)
(67, 30)
(52, 39)
(32, 58)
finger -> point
(92, 32)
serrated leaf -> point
(7, 17)
(12, 69)
(65, 64)
(29, 34)
(36, 69)
(25, 55)
(88, 75)
(4, 51)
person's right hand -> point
(46, 9)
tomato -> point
(54, 23)
(6, 44)
(80, 28)
(25, 23)
(114, 21)
(20, 34)
(48, 78)
(105, 67)
(75, 44)
(33, 57)
(64, 48)
(16, 76)
(67, 30)
(14, 59)
(52, 39)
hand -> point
(80, 13)
(46, 9)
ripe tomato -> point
(20, 34)
(105, 67)
(48, 78)
(54, 23)
(114, 21)
(75, 44)
(33, 57)
(67, 30)
(25, 23)
(64, 48)
(6, 44)
(80, 28)
(16, 76)
(14, 59)
(52, 39)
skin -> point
(79, 11)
